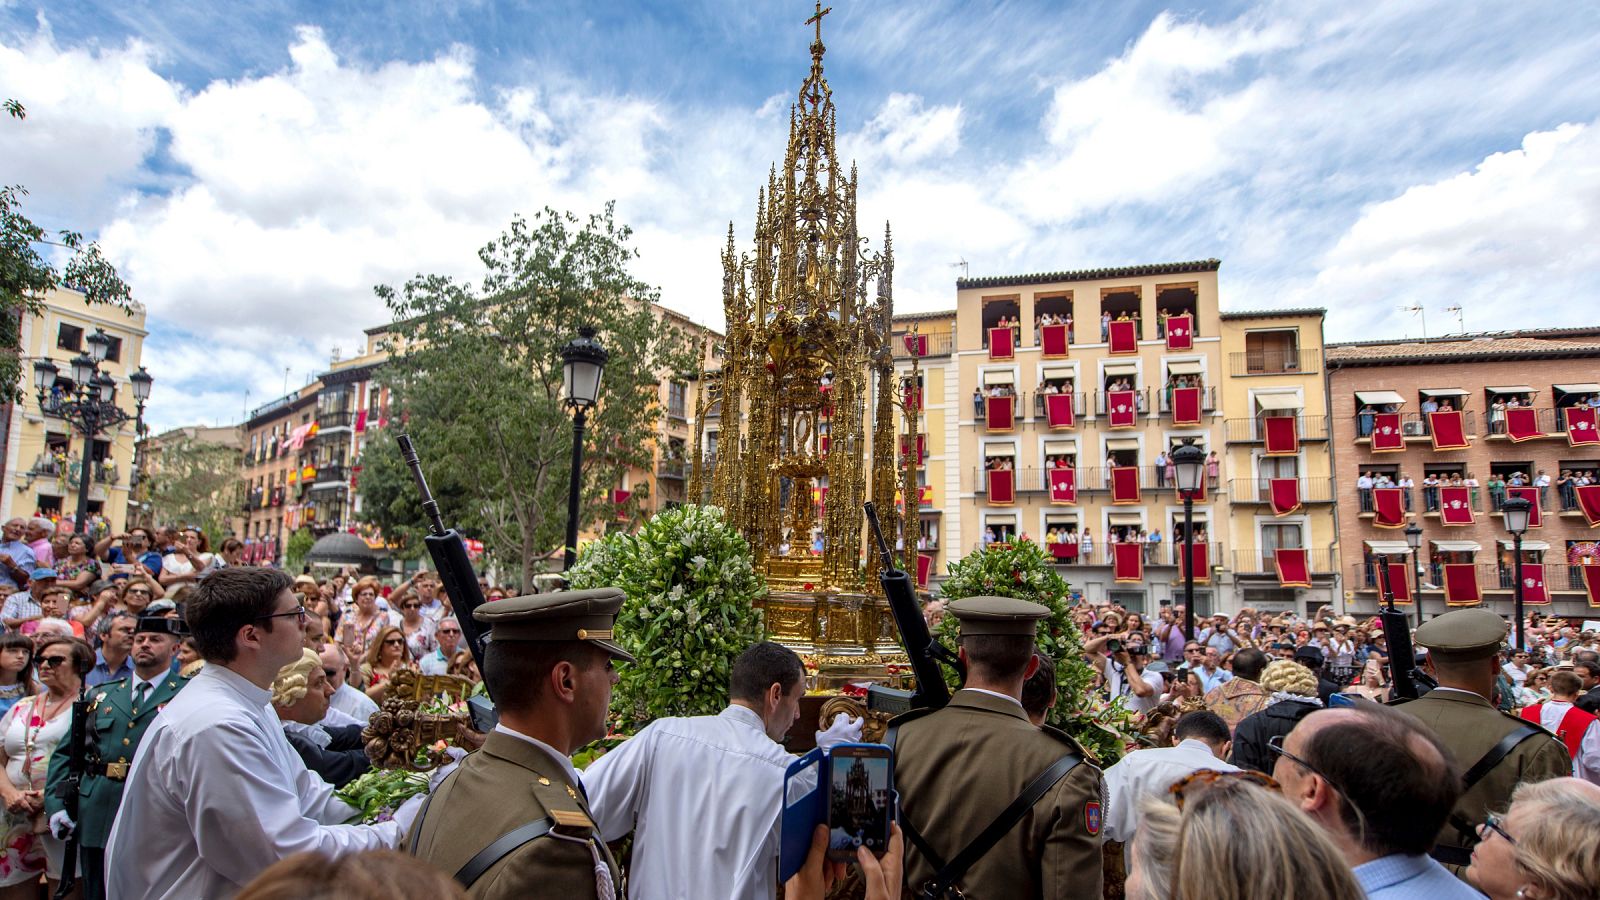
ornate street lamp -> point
(1414, 541)
(90, 407)
(1517, 510)
(583, 363)
(1189, 469)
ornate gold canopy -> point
(808, 317)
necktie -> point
(139, 691)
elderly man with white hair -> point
(448, 638)
(38, 537)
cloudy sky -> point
(254, 174)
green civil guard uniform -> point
(116, 726)
(1471, 727)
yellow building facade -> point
(43, 453)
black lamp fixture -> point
(1189, 470)
(1414, 541)
(583, 364)
(1517, 510)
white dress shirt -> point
(352, 703)
(1586, 764)
(704, 794)
(216, 795)
(1148, 773)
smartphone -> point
(860, 799)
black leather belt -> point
(117, 771)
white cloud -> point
(1512, 241)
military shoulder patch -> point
(570, 819)
(1091, 817)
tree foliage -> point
(1022, 569)
(295, 548)
(25, 274)
(196, 484)
(476, 374)
(691, 586)
(389, 497)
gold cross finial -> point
(817, 19)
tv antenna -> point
(1417, 308)
(962, 265)
(1461, 320)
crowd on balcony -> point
(1568, 483)
(1503, 402)
(1044, 319)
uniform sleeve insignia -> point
(1091, 817)
(570, 819)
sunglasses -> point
(331, 673)
(394, 642)
(449, 631)
(411, 606)
(50, 662)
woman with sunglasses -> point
(387, 655)
(418, 628)
(29, 733)
(1546, 846)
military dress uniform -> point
(1472, 727)
(958, 767)
(513, 820)
(117, 723)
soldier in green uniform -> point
(119, 713)
(513, 820)
(958, 768)
(1496, 750)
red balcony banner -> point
(1186, 406)
(1064, 549)
(924, 569)
(1532, 583)
(1461, 584)
(1293, 567)
(1123, 408)
(1522, 424)
(1389, 507)
(1058, 411)
(1591, 583)
(1002, 485)
(1284, 494)
(1399, 585)
(1386, 434)
(917, 344)
(619, 499)
(1282, 435)
(1589, 503)
(913, 397)
(1125, 485)
(1063, 485)
(922, 447)
(1124, 339)
(1530, 494)
(1000, 343)
(1199, 559)
(1455, 506)
(1180, 332)
(1582, 426)
(1000, 413)
(1053, 341)
(1449, 430)
(1127, 561)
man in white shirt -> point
(1517, 670)
(1579, 730)
(709, 837)
(448, 636)
(347, 702)
(216, 793)
(1203, 743)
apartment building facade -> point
(1440, 434)
(44, 455)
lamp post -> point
(89, 406)
(1516, 511)
(1414, 541)
(1189, 467)
(583, 362)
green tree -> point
(389, 497)
(477, 377)
(295, 549)
(1023, 570)
(25, 275)
(691, 586)
(196, 483)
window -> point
(677, 399)
(114, 350)
(69, 337)
(1280, 537)
(999, 529)
(1267, 352)
(1132, 601)
(1278, 467)
(1277, 600)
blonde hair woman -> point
(1546, 847)
(1292, 690)
(386, 656)
(1231, 838)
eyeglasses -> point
(1208, 777)
(143, 592)
(1497, 825)
(449, 631)
(411, 606)
(50, 662)
(298, 612)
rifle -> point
(1403, 672)
(77, 764)
(924, 652)
(449, 553)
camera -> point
(1114, 645)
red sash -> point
(1571, 730)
